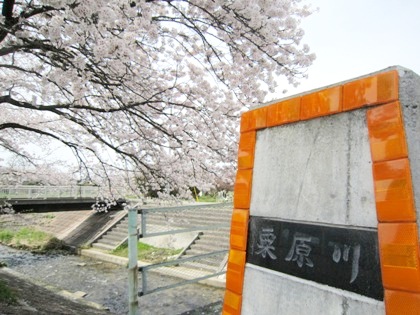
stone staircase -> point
(114, 236)
(214, 235)
(208, 242)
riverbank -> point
(105, 284)
(30, 298)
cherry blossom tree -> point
(151, 89)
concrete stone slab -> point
(267, 292)
(409, 91)
(315, 171)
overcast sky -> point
(357, 37)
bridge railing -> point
(48, 192)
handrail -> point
(181, 260)
(184, 250)
(48, 192)
(177, 262)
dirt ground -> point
(15, 221)
(35, 299)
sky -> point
(357, 37)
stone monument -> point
(325, 218)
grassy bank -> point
(29, 238)
(24, 238)
(147, 252)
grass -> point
(207, 198)
(29, 238)
(6, 236)
(147, 252)
(6, 294)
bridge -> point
(48, 198)
(27, 192)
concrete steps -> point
(103, 246)
(189, 218)
(209, 241)
(114, 236)
(201, 266)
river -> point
(107, 284)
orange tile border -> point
(242, 189)
(394, 191)
(399, 255)
(254, 119)
(377, 89)
(246, 124)
(359, 93)
(386, 132)
(321, 103)
(235, 271)
(387, 87)
(232, 303)
(283, 112)
(239, 229)
(399, 302)
(246, 150)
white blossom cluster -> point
(6, 208)
(146, 91)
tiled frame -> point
(395, 206)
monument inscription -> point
(345, 258)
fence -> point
(209, 223)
